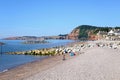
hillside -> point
(83, 32)
(86, 31)
(36, 38)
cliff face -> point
(74, 34)
(92, 36)
(87, 32)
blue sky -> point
(54, 17)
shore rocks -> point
(35, 42)
(51, 51)
(73, 48)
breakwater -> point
(42, 52)
(8, 61)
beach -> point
(95, 63)
(26, 70)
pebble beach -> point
(92, 63)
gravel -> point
(95, 64)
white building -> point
(111, 32)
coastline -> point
(32, 68)
(15, 66)
(55, 65)
(9, 61)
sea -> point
(9, 61)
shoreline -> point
(35, 67)
(4, 69)
(31, 68)
(13, 67)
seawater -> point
(8, 61)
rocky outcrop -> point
(74, 34)
(93, 37)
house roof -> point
(111, 32)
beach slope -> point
(95, 64)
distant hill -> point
(80, 32)
(22, 38)
(36, 38)
(85, 31)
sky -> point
(54, 17)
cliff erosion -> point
(74, 34)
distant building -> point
(111, 33)
(63, 36)
(102, 35)
(117, 33)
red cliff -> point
(74, 34)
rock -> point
(74, 34)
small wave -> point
(4, 70)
